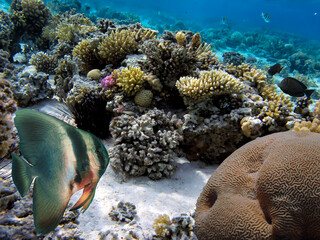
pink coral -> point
(107, 82)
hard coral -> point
(44, 62)
(215, 82)
(143, 98)
(117, 45)
(7, 109)
(130, 79)
(267, 189)
(146, 144)
(6, 28)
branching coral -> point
(7, 108)
(215, 82)
(6, 28)
(146, 144)
(29, 16)
(117, 45)
(130, 80)
(44, 62)
(307, 126)
(267, 189)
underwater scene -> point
(160, 119)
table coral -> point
(267, 189)
(146, 144)
(7, 109)
(117, 45)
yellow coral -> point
(161, 226)
(238, 71)
(117, 45)
(145, 34)
(254, 76)
(94, 74)
(181, 38)
(130, 79)
(316, 110)
(143, 98)
(215, 82)
(307, 126)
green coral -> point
(117, 45)
(44, 62)
(130, 80)
(29, 16)
(7, 108)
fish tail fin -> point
(308, 92)
(20, 174)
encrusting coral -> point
(117, 45)
(130, 80)
(209, 83)
(267, 189)
(7, 109)
(146, 144)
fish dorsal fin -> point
(40, 135)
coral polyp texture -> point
(267, 189)
(130, 80)
(146, 144)
(117, 45)
(209, 83)
(143, 98)
(7, 109)
(44, 62)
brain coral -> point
(267, 189)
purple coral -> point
(107, 82)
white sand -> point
(167, 196)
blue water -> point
(294, 16)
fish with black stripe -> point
(61, 159)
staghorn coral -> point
(130, 80)
(117, 45)
(87, 100)
(143, 98)
(29, 16)
(146, 144)
(30, 86)
(178, 228)
(267, 189)
(124, 212)
(209, 83)
(44, 62)
(7, 109)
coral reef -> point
(124, 212)
(215, 82)
(6, 28)
(143, 98)
(181, 227)
(130, 80)
(7, 109)
(252, 193)
(30, 86)
(145, 144)
(233, 58)
(117, 45)
(88, 100)
(44, 62)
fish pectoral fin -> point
(48, 206)
(86, 198)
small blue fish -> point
(61, 159)
(266, 17)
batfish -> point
(294, 87)
(61, 160)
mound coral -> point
(146, 144)
(267, 189)
(143, 98)
(130, 80)
(215, 82)
(117, 45)
(7, 108)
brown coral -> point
(267, 189)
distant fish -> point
(61, 159)
(294, 88)
(265, 17)
(275, 69)
(224, 20)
